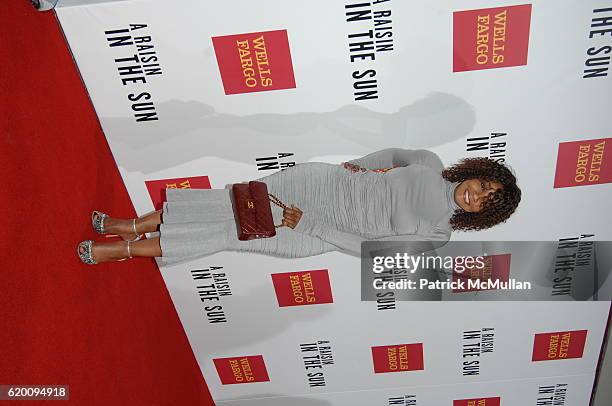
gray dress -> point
(340, 209)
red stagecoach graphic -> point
(559, 345)
(237, 370)
(254, 62)
(157, 188)
(491, 37)
(478, 402)
(398, 358)
(496, 268)
(581, 163)
(302, 288)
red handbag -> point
(252, 210)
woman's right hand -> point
(353, 168)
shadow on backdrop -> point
(190, 130)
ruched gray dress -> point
(341, 209)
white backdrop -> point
(422, 103)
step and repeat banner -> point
(200, 94)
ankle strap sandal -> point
(97, 222)
(84, 251)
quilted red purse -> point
(252, 210)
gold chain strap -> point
(277, 202)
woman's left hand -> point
(291, 216)
(352, 167)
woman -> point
(390, 195)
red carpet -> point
(109, 331)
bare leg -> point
(124, 227)
(112, 251)
(146, 248)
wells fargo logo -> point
(496, 268)
(241, 369)
(491, 37)
(254, 62)
(302, 288)
(560, 345)
(398, 358)
(478, 402)
(157, 188)
(581, 163)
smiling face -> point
(471, 193)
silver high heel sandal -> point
(87, 257)
(97, 221)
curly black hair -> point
(498, 206)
